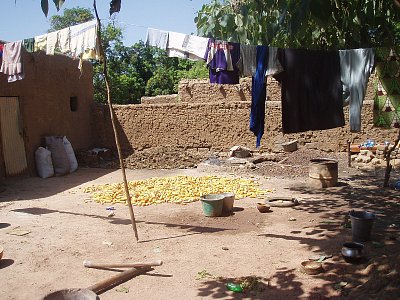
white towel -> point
(186, 46)
(64, 40)
(52, 38)
(175, 44)
(40, 42)
(157, 38)
(196, 46)
(83, 37)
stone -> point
(237, 161)
(290, 146)
(396, 162)
(376, 161)
(382, 148)
(358, 159)
(311, 146)
(366, 153)
(363, 159)
(239, 151)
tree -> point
(70, 17)
(322, 24)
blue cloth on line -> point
(259, 95)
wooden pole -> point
(112, 114)
(118, 279)
(348, 153)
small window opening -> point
(73, 103)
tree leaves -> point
(115, 6)
(58, 3)
(45, 7)
(316, 24)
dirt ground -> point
(200, 254)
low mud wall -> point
(215, 118)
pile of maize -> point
(177, 189)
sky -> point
(25, 19)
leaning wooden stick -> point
(107, 284)
(112, 114)
(89, 264)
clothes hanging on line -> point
(83, 38)
(196, 46)
(387, 87)
(64, 40)
(79, 41)
(259, 94)
(157, 38)
(175, 45)
(222, 58)
(247, 63)
(311, 90)
(356, 66)
(274, 66)
(40, 42)
(51, 42)
(186, 46)
(12, 61)
(29, 44)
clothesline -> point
(315, 84)
(78, 41)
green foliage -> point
(139, 70)
(70, 17)
(322, 24)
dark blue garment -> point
(259, 94)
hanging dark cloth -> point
(259, 95)
(311, 90)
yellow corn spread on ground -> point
(176, 189)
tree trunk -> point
(388, 164)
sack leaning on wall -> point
(71, 155)
(44, 164)
(58, 154)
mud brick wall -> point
(160, 99)
(45, 101)
(202, 91)
(206, 117)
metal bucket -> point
(323, 172)
(361, 225)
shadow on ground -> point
(35, 187)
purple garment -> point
(224, 77)
(222, 58)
